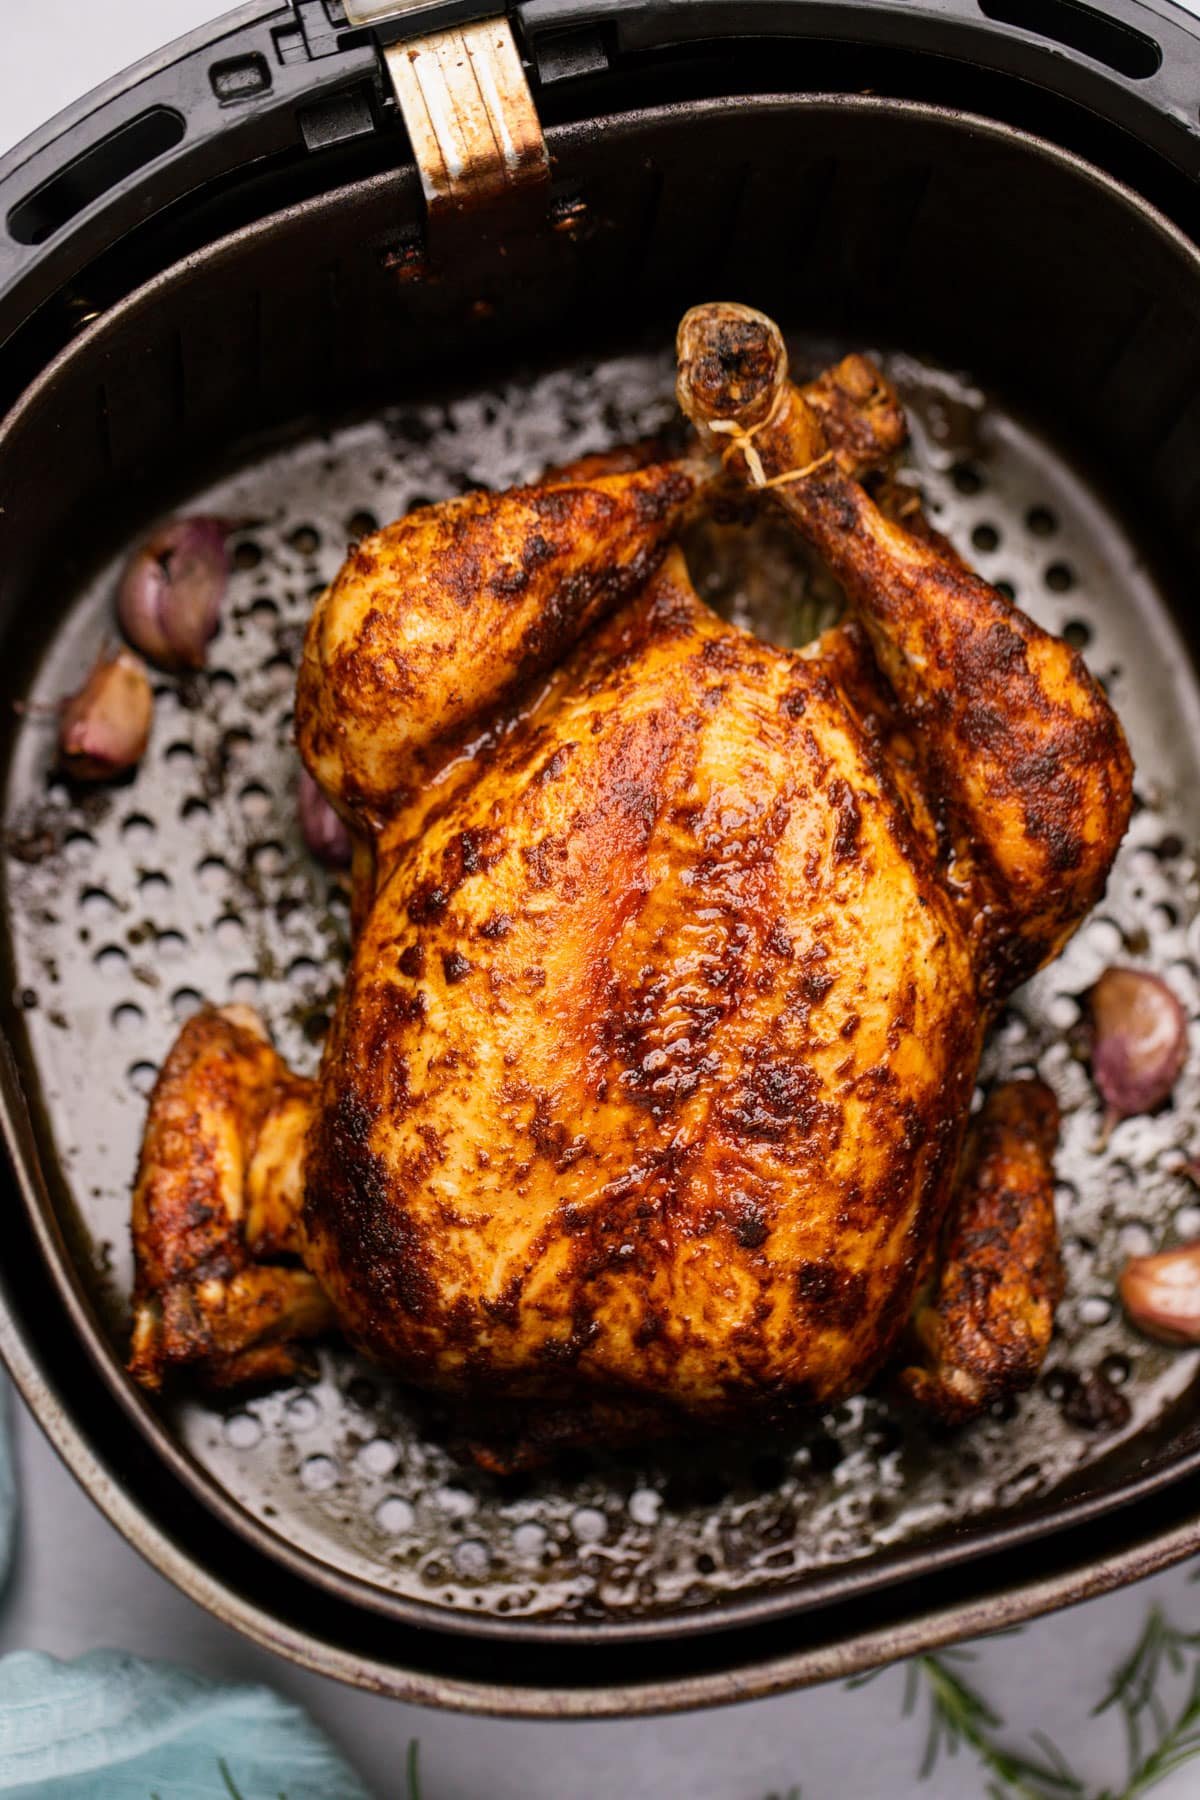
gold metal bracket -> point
(470, 115)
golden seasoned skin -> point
(613, 1099)
(1021, 752)
(982, 1331)
(619, 460)
(436, 620)
(420, 602)
(674, 954)
(218, 1186)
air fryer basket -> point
(1039, 319)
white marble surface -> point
(78, 1585)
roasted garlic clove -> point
(322, 829)
(1161, 1294)
(1139, 1041)
(105, 727)
(169, 600)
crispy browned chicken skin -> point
(980, 1331)
(648, 1084)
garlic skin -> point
(1161, 1294)
(322, 829)
(1139, 1041)
(170, 595)
(104, 728)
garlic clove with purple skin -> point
(170, 594)
(322, 829)
(1161, 1294)
(1139, 1042)
(103, 730)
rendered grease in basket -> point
(646, 1102)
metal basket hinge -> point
(470, 115)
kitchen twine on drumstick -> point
(743, 439)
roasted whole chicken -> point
(648, 1095)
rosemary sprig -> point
(958, 1715)
(1158, 1741)
(231, 1787)
(1162, 1650)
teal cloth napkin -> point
(112, 1727)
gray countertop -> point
(78, 1585)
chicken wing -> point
(218, 1194)
(981, 1332)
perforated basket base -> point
(128, 905)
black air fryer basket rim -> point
(818, 1590)
(867, 1647)
(327, 90)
